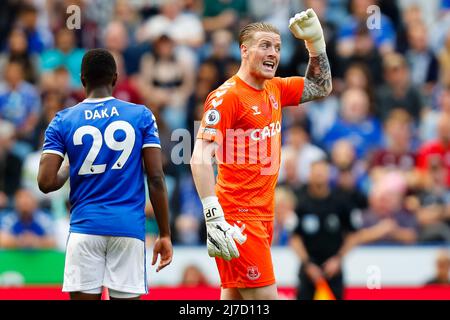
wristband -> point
(211, 208)
(315, 48)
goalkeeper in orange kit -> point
(241, 128)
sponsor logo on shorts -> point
(253, 273)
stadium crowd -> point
(385, 129)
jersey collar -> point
(96, 100)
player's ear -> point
(83, 81)
(244, 50)
(114, 79)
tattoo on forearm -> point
(317, 79)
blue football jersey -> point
(103, 139)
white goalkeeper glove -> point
(306, 26)
(221, 235)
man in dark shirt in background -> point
(324, 233)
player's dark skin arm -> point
(52, 176)
(158, 197)
(318, 82)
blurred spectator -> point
(171, 170)
(193, 277)
(397, 152)
(442, 275)
(127, 87)
(411, 15)
(26, 226)
(348, 174)
(285, 217)
(17, 50)
(386, 221)
(52, 102)
(187, 229)
(189, 225)
(115, 37)
(422, 61)
(289, 176)
(206, 81)
(382, 35)
(224, 14)
(221, 53)
(188, 198)
(129, 15)
(59, 81)
(358, 76)
(320, 114)
(54, 201)
(65, 54)
(120, 36)
(392, 10)
(297, 139)
(444, 62)
(398, 90)
(96, 14)
(432, 206)
(355, 124)
(19, 101)
(322, 236)
(183, 27)
(362, 51)
(437, 151)
(10, 164)
(439, 30)
(166, 82)
(27, 21)
(8, 16)
(87, 33)
(428, 124)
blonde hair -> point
(249, 30)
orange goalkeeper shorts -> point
(254, 266)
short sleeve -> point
(291, 90)
(220, 113)
(150, 130)
(54, 142)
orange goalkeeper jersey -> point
(246, 124)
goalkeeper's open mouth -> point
(269, 65)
